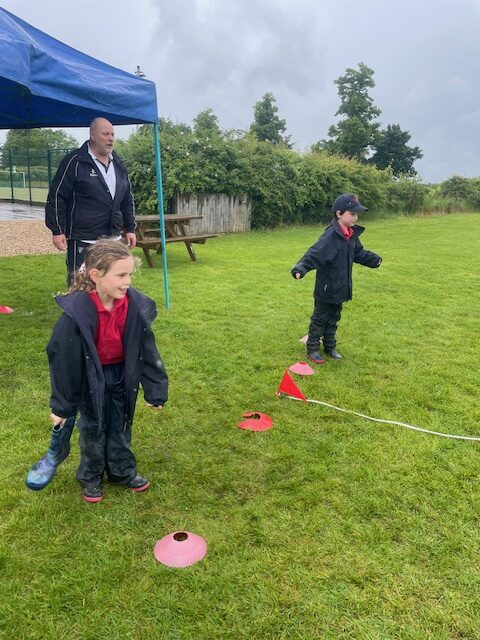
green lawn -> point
(327, 526)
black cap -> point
(348, 202)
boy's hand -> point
(158, 407)
(296, 274)
(57, 420)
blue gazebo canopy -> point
(46, 83)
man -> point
(90, 197)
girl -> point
(100, 350)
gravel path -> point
(21, 237)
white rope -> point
(400, 424)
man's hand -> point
(131, 240)
(60, 242)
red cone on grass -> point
(255, 421)
(288, 386)
(4, 309)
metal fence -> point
(25, 176)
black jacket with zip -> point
(79, 204)
(333, 256)
(76, 372)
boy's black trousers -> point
(323, 325)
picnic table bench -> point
(148, 233)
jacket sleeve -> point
(127, 205)
(367, 258)
(59, 194)
(67, 370)
(154, 378)
(318, 255)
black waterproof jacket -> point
(76, 373)
(79, 204)
(332, 256)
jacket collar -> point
(85, 156)
(78, 306)
(357, 229)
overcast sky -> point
(226, 54)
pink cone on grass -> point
(302, 369)
(180, 549)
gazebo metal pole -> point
(158, 166)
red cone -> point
(256, 421)
(5, 309)
(288, 386)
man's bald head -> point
(102, 137)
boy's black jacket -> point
(332, 256)
(75, 370)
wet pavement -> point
(17, 211)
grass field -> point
(327, 526)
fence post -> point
(11, 174)
(29, 176)
(49, 165)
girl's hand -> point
(157, 407)
(57, 420)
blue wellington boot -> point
(42, 472)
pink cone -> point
(255, 421)
(180, 549)
(302, 369)
(304, 339)
(5, 310)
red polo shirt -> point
(347, 231)
(110, 327)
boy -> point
(332, 256)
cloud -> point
(226, 54)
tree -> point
(267, 126)
(392, 150)
(206, 124)
(354, 136)
(36, 142)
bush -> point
(286, 187)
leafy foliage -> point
(35, 142)
(359, 136)
(392, 150)
(354, 136)
(267, 126)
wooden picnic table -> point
(176, 230)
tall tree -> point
(392, 150)
(206, 124)
(36, 141)
(267, 126)
(355, 134)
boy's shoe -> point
(42, 472)
(333, 353)
(315, 356)
(93, 492)
(138, 483)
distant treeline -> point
(286, 187)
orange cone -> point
(288, 386)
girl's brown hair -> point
(101, 256)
